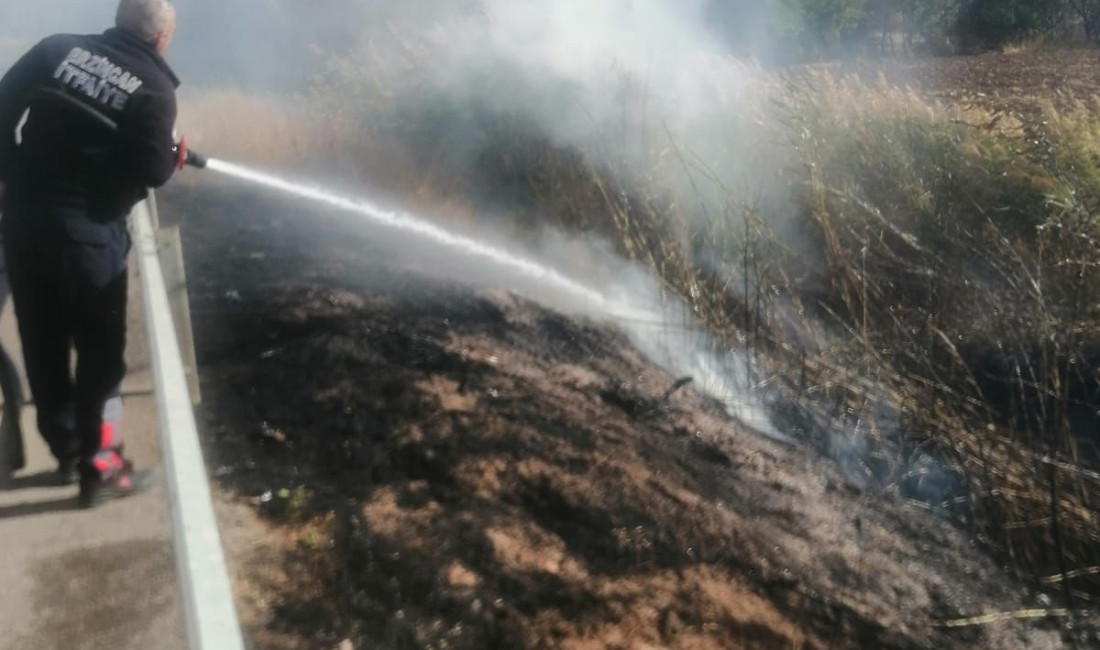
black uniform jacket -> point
(86, 125)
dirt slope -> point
(411, 463)
(1020, 84)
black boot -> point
(67, 472)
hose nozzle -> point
(194, 159)
(185, 156)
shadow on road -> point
(35, 508)
(30, 481)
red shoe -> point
(126, 482)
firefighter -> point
(86, 126)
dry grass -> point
(304, 135)
(954, 311)
(274, 131)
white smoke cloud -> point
(585, 68)
(574, 39)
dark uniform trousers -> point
(69, 283)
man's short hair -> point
(146, 18)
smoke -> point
(620, 80)
(24, 24)
(29, 22)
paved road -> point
(102, 579)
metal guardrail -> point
(210, 614)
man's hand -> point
(181, 152)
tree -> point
(1088, 12)
(749, 27)
(884, 20)
(930, 19)
(829, 20)
(988, 23)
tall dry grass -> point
(960, 270)
(304, 136)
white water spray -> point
(680, 350)
(411, 224)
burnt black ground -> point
(441, 466)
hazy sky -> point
(276, 43)
(23, 23)
(247, 43)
